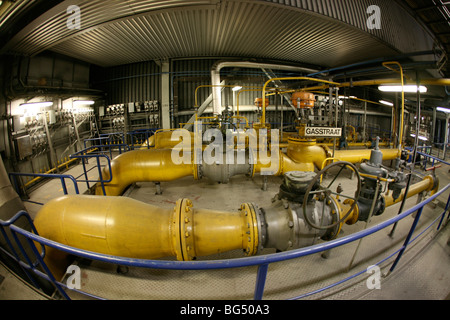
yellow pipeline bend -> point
(154, 165)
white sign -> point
(323, 132)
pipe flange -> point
(338, 214)
(250, 240)
(262, 227)
(183, 230)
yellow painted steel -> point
(154, 165)
(162, 139)
(357, 156)
(402, 79)
(427, 184)
(125, 227)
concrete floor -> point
(421, 274)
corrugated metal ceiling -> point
(319, 32)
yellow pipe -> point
(162, 139)
(357, 156)
(241, 117)
(263, 118)
(248, 90)
(121, 226)
(125, 227)
(153, 165)
(425, 185)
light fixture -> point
(37, 104)
(237, 88)
(420, 137)
(387, 103)
(443, 109)
(409, 89)
(83, 102)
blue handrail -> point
(13, 177)
(261, 261)
(85, 154)
(146, 133)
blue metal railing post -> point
(261, 277)
(443, 215)
(39, 261)
(408, 238)
(14, 254)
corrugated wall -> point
(129, 83)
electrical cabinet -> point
(132, 116)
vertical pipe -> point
(282, 118)
(50, 144)
(367, 224)
(365, 122)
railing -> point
(427, 157)
(262, 261)
(13, 177)
(142, 135)
(86, 154)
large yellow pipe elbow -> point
(125, 227)
(164, 140)
(142, 165)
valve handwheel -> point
(327, 191)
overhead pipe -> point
(215, 76)
(373, 61)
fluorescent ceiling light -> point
(411, 89)
(237, 88)
(420, 137)
(83, 102)
(37, 104)
(387, 103)
(443, 109)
